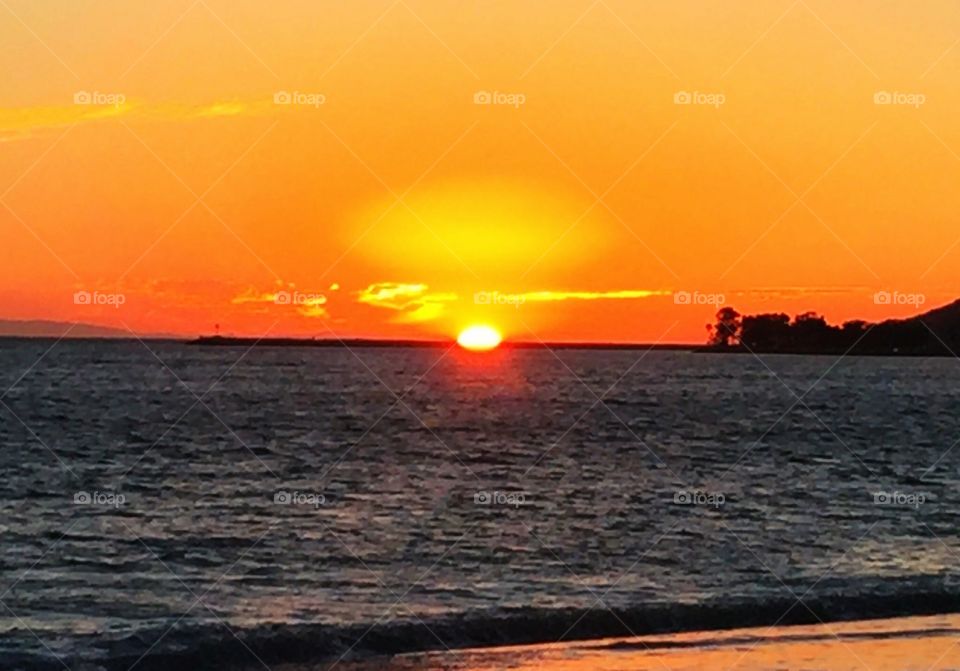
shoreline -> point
(837, 644)
(243, 341)
(230, 341)
(893, 644)
(296, 645)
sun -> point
(479, 338)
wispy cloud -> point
(16, 123)
(288, 296)
(516, 299)
(254, 296)
(412, 302)
(623, 294)
(799, 292)
(19, 122)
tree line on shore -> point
(933, 333)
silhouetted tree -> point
(855, 326)
(811, 332)
(765, 332)
(853, 329)
(726, 332)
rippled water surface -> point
(231, 488)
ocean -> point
(231, 507)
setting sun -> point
(479, 338)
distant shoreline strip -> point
(207, 647)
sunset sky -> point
(406, 168)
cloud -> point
(548, 296)
(415, 303)
(391, 294)
(499, 298)
(799, 292)
(313, 310)
(18, 123)
(623, 294)
(219, 110)
(412, 302)
(253, 296)
(306, 303)
(13, 136)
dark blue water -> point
(174, 499)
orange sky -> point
(580, 196)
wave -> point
(215, 648)
(755, 639)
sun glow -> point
(479, 338)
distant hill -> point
(932, 333)
(39, 328)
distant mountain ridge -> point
(42, 328)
